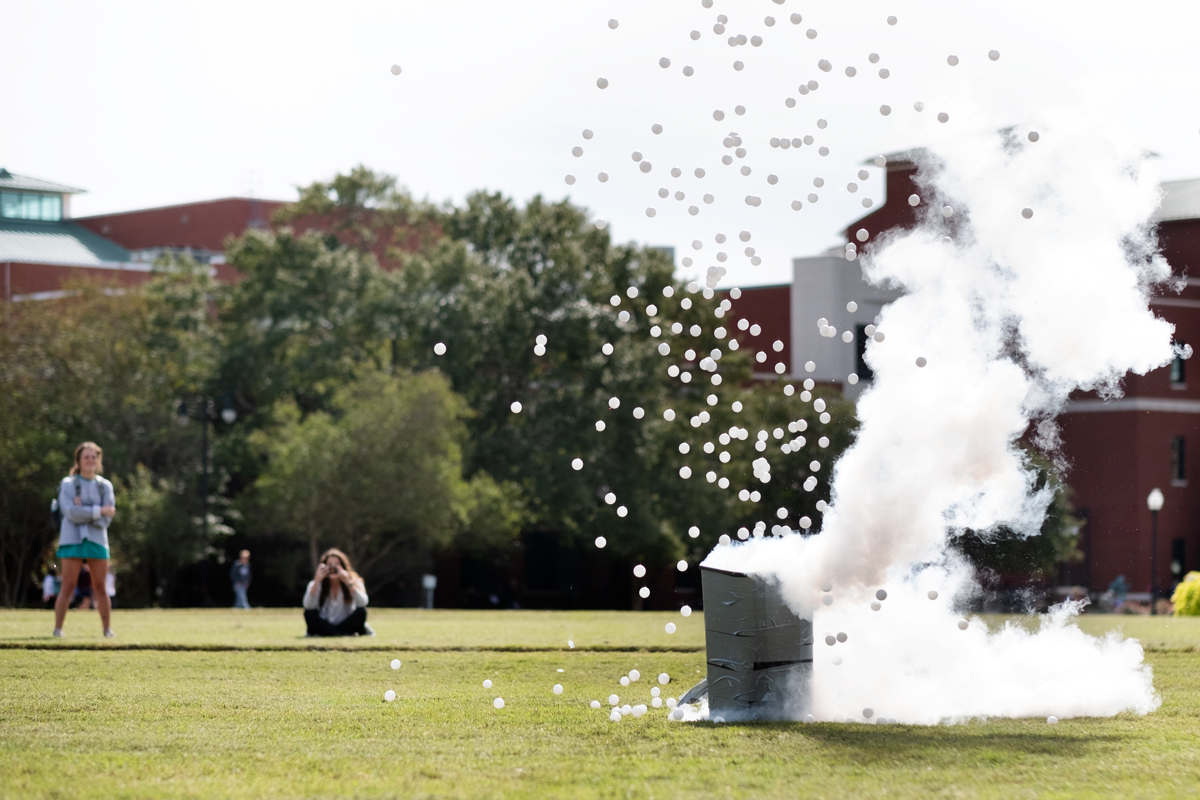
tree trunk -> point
(18, 554)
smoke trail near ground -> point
(1012, 313)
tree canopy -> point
(107, 366)
(379, 476)
(355, 428)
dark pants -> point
(355, 623)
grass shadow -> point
(866, 744)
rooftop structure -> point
(41, 247)
(43, 242)
(23, 197)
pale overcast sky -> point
(153, 103)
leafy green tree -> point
(505, 275)
(33, 458)
(302, 347)
(302, 321)
(97, 365)
(156, 536)
(380, 476)
(1003, 555)
(791, 421)
(365, 211)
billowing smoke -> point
(1028, 279)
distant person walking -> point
(335, 602)
(88, 505)
(239, 574)
(1118, 590)
(110, 584)
(50, 588)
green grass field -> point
(225, 704)
(414, 629)
(282, 628)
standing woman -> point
(88, 505)
(335, 602)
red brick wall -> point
(1116, 459)
(1180, 243)
(895, 211)
(22, 278)
(770, 307)
(202, 225)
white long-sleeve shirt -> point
(337, 605)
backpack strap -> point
(99, 487)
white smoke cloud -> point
(1012, 316)
(909, 661)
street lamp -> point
(1154, 502)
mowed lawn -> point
(283, 628)
(82, 719)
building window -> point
(1178, 456)
(1178, 551)
(860, 350)
(10, 205)
(51, 207)
(31, 205)
(1178, 373)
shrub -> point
(1187, 596)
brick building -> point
(42, 247)
(1118, 450)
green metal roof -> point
(55, 243)
(10, 180)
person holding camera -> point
(335, 602)
(87, 504)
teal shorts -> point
(87, 549)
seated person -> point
(335, 600)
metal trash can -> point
(759, 651)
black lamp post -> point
(1155, 503)
(228, 415)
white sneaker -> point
(58, 633)
(108, 634)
